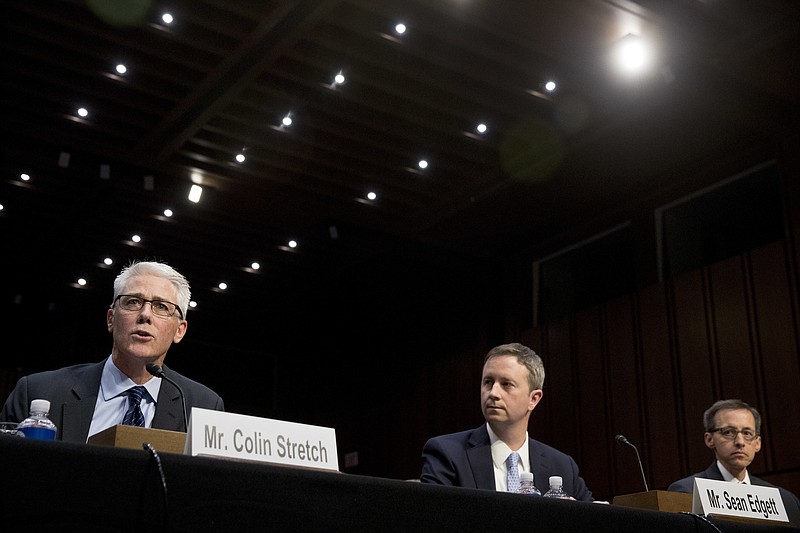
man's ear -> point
(536, 397)
(109, 319)
(709, 439)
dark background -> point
(640, 234)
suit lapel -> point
(169, 411)
(540, 465)
(479, 455)
(76, 415)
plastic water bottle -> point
(526, 485)
(38, 426)
(556, 488)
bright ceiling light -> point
(292, 244)
(136, 238)
(83, 112)
(222, 285)
(550, 86)
(338, 79)
(481, 128)
(194, 193)
(121, 69)
(108, 261)
(371, 195)
(255, 266)
(287, 121)
(167, 18)
(422, 163)
(240, 158)
(168, 212)
(400, 28)
(632, 55)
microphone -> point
(158, 372)
(623, 440)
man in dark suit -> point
(144, 322)
(492, 456)
(733, 431)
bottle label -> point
(39, 433)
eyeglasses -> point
(730, 433)
(129, 302)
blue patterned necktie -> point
(513, 472)
(134, 416)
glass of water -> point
(9, 429)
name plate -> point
(221, 434)
(723, 498)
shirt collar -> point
(501, 451)
(113, 383)
(727, 476)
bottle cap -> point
(40, 405)
(526, 476)
(556, 480)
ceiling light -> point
(255, 266)
(422, 163)
(631, 54)
(108, 261)
(121, 69)
(81, 282)
(481, 128)
(240, 158)
(371, 195)
(400, 28)
(25, 177)
(287, 120)
(167, 18)
(168, 212)
(194, 193)
(338, 79)
(192, 304)
(292, 244)
(222, 285)
(83, 112)
(550, 86)
(136, 238)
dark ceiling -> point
(219, 80)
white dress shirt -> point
(112, 402)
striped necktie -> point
(134, 415)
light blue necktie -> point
(513, 472)
(134, 415)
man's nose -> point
(145, 313)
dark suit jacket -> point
(465, 460)
(712, 472)
(72, 392)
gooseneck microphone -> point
(158, 372)
(623, 440)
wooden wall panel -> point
(778, 345)
(591, 396)
(694, 349)
(664, 430)
(648, 366)
(735, 359)
(625, 397)
(559, 391)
